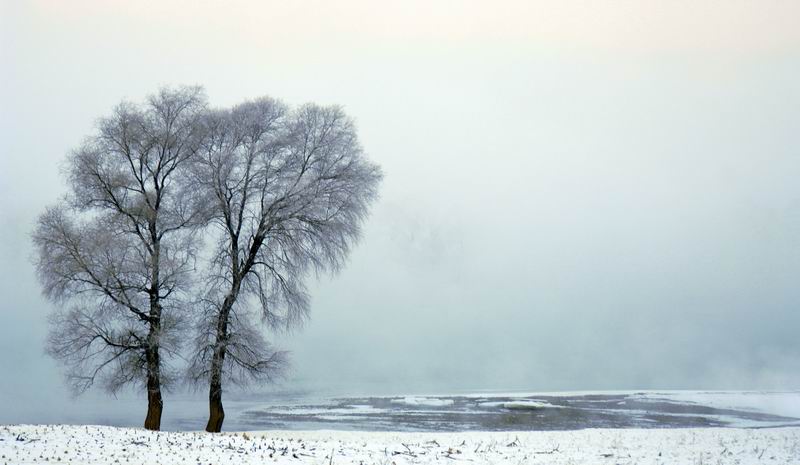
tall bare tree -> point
(290, 190)
(116, 254)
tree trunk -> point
(154, 406)
(153, 358)
(216, 414)
(154, 402)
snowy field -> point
(110, 445)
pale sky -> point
(577, 195)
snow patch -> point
(528, 405)
(424, 401)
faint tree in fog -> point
(291, 189)
(115, 255)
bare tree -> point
(117, 253)
(290, 190)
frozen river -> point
(529, 412)
(442, 413)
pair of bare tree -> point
(276, 193)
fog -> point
(576, 197)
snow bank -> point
(776, 403)
(102, 445)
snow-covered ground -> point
(110, 445)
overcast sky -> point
(577, 195)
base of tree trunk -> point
(216, 416)
(154, 408)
